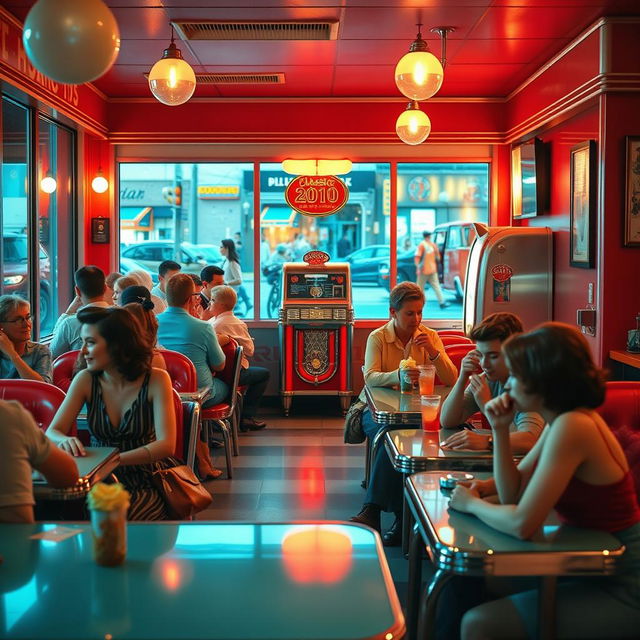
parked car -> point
(127, 264)
(365, 263)
(150, 253)
(15, 276)
(454, 239)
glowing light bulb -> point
(413, 125)
(48, 184)
(171, 79)
(99, 184)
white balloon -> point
(71, 41)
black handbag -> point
(183, 493)
(353, 431)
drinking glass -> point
(427, 379)
(430, 407)
(407, 385)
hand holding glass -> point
(408, 380)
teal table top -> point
(199, 580)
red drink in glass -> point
(430, 409)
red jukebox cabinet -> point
(316, 329)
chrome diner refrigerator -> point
(510, 269)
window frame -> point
(261, 322)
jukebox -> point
(316, 329)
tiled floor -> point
(297, 469)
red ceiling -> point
(496, 46)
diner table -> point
(461, 544)
(68, 503)
(391, 408)
(96, 465)
(199, 580)
(415, 450)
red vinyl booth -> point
(63, 369)
(451, 332)
(456, 352)
(448, 339)
(40, 399)
(621, 411)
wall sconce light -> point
(171, 79)
(419, 74)
(413, 125)
(48, 184)
(316, 167)
(100, 184)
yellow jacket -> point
(384, 352)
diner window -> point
(182, 212)
(36, 267)
(358, 234)
(443, 198)
(15, 202)
(55, 215)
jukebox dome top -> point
(315, 258)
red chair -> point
(63, 369)
(621, 411)
(41, 399)
(181, 370)
(451, 332)
(222, 414)
(449, 339)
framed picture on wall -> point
(632, 198)
(583, 205)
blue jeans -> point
(219, 393)
(385, 484)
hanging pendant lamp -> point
(71, 41)
(413, 125)
(171, 79)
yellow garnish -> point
(409, 363)
(108, 497)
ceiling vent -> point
(257, 30)
(240, 78)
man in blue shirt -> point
(180, 331)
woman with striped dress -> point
(130, 405)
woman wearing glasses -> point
(19, 357)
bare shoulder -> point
(572, 428)
(82, 380)
(159, 379)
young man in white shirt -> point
(223, 300)
(90, 287)
(166, 269)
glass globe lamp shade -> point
(419, 75)
(48, 184)
(99, 184)
(71, 41)
(171, 79)
(413, 125)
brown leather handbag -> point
(183, 493)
